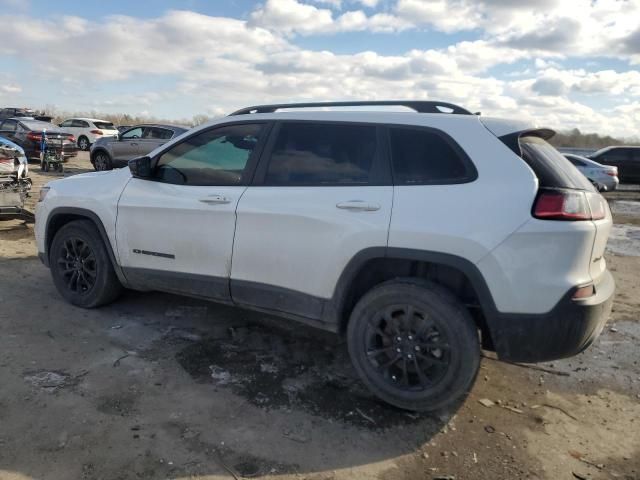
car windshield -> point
(105, 125)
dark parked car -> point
(13, 112)
(626, 158)
(27, 132)
(123, 128)
(109, 153)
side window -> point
(9, 126)
(80, 124)
(133, 133)
(67, 123)
(213, 157)
(576, 162)
(322, 154)
(421, 157)
(160, 133)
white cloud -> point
(223, 64)
(11, 88)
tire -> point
(46, 166)
(102, 162)
(60, 167)
(439, 344)
(83, 143)
(77, 248)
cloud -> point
(11, 88)
(549, 86)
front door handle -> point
(215, 200)
(358, 205)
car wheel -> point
(83, 143)
(80, 266)
(46, 166)
(414, 344)
(102, 162)
(60, 167)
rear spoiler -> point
(512, 140)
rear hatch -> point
(564, 193)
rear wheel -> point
(414, 344)
(102, 162)
(80, 266)
(83, 143)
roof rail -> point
(419, 106)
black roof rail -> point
(420, 106)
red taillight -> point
(71, 138)
(613, 172)
(96, 132)
(569, 205)
(34, 136)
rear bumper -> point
(568, 329)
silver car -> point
(604, 177)
(136, 141)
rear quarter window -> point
(550, 166)
(424, 156)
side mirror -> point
(140, 167)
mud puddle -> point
(272, 369)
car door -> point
(322, 194)
(175, 230)
(152, 138)
(127, 145)
(69, 127)
(634, 164)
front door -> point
(128, 145)
(175, 231)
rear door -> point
(322, 194)
(175, 231)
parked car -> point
(626, 158)
(12, 159)
(604, 177)
(114, 152)
(494, 240)
(123, 128)
(14, 112)
(27, 133)
(88, 130)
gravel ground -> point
(159, 386)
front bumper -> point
(568, 329)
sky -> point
(559, 63)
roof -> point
(88, 119)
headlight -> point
(43, 193)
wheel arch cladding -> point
(373, 266)
(61, 216)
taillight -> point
(613, 172)
(96, 132)
(571, 205)
(34, 136)
(71, 138)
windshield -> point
(105, 125)
(550, 166)
(35, 125)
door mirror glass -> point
(140, 167)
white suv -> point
(422, 236)
(88, 130)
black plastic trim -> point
(89, 215)
(193, 285)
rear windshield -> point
(36, 125)
(550, 166)
(105, 125)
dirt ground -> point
(159, 386)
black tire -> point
(83, 143)
(436, 344)
(46, 166)
(77, 247)
(60, 167)
(102, 161)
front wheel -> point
(80, 266)
(414, 344)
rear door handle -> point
(215, 200)
(358, 205)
